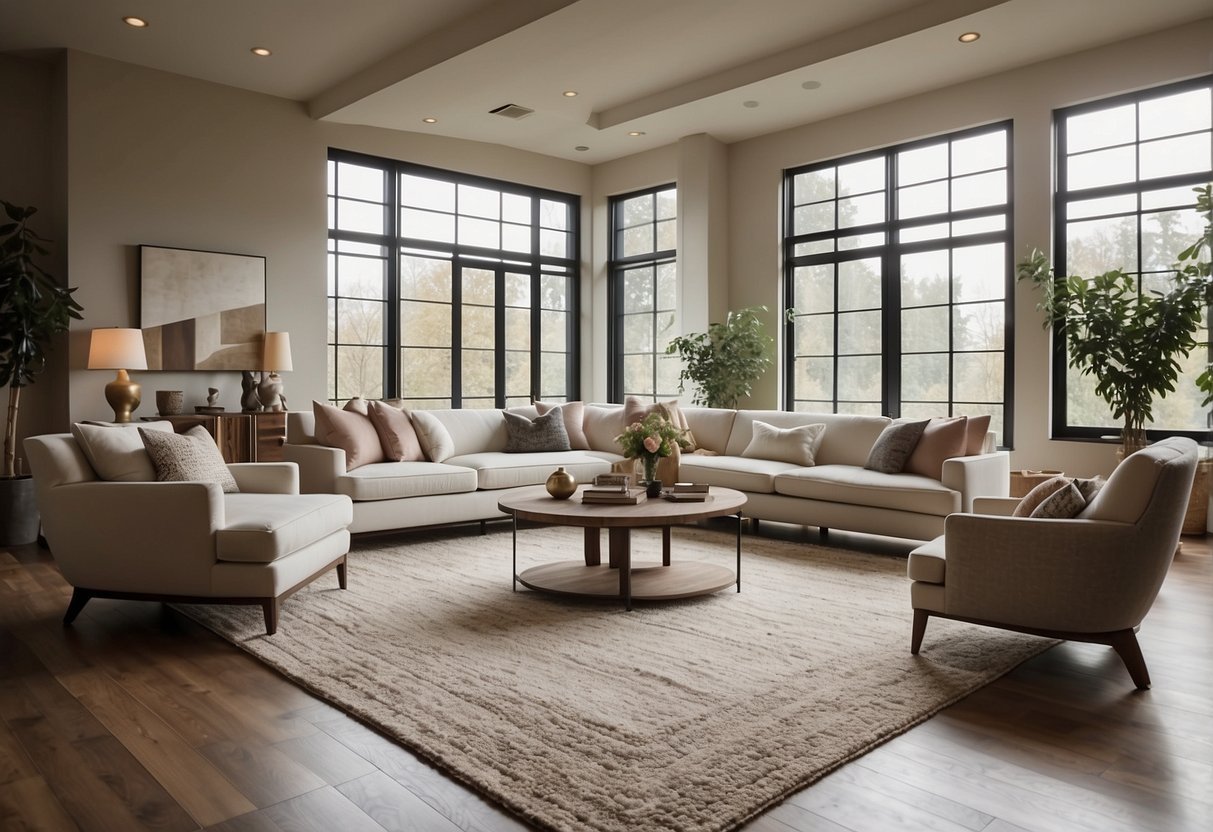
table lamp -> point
(121, 350)
(275, 356)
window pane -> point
(552, 376)
(516, 208)
(1183, 112)
(924, 329)
(637, 333)
(1096, 246)
(979, 190)
(427, 373)
(423, 192)
(554, 243)
(425, 324)
(667, 285)
(860, 210)
(516, 238)
(553, 328)
(479, 202)
(979, 225)
(479, 329)
(924, 278)
(518, 329)
(359, 322)
(815, 378)
(859, 284)
(978, 326)
(361, 277)
(1102, 128)
(667, 204)
(1082, 208)
(979, 153)
(667, 235)
(359, 372)
(478, 373)
(426, 225)
(425, 279)
(808, 219)
(858, 333)
(638, 240)
(553, 214)
(637, 211)
(638, 289)
(814, 335)
(922, 200)
(638, 374)
(859, 378)
(978, 272)
(813, 186)
(518, 374)
(479, 233)
(922, 164)
(554, 292)
(1171, 157)
(359, 216)
(359, 182)
(1165, 234)
(479, 286)
(517, 290)
(814, 288)
(861, 177)
(978, 376)
(1102, 167)
(924, 378)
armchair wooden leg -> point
(270, 607)
(341, 574)
(80, 597)
(920, 629)
(1126, 646)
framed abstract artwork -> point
(201, 310)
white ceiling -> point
(669, 68)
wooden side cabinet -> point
(241, 437)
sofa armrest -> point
(981, 475)
(135, 536)
(996, 506)
(1079, 575)
(266, 477)
(319, 466)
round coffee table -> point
(620, 577)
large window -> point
(898, 271)
(1126, 168)
(448, 290)
(643, 294)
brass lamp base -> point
(123, 396)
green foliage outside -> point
(724, 362)
(33, 309)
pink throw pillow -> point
(942, 439)
(975, 434)
(349, 431)
(396, 433)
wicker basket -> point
(1024, 481)
(1196, 521)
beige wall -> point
(1026, 95)
(165, 160)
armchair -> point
(185, 542)
(1091, 579)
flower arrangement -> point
(650, 439)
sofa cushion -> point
(928, 562)
(390, 480)
(497, 469)
(397, 435)
(602, 424)
(350, 431)
(116, 452)
(797, 445)
(942, 439)
(859, 486)
(753, 475)
(543, 433)
(574, 421)
(711, 426)
(188, 457)
(894, 446)
(261, 528)
(847, 441)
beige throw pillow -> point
(941, 439)
(435, 439)
(116, 452)
(1063, 503)
(574, 421)
(349, 431)
(1040, 493)
(397, 435)
(188, 457)
(796, 445)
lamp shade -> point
(116, 349)
(276, 354)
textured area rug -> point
(690, 715)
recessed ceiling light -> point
(261, 51)
(581, 148)
(969, 37)
(635, 132)
(430, 120)
(136, 22)
(811, 85)
(750, 104)
(569, 93)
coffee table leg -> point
(593, 547)
(620, 540)
(665, 545)
(515, 550)
(739, 522)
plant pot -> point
(19, 517)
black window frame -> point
(464, 256)
(1060, 428)
(890, 253)
(617, 264)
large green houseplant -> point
(33, 309)
(1130, 341)
(724, 362)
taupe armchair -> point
(1092, 578)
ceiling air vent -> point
(512, 111)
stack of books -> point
(687, 492)
(621, 495)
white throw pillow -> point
(797, 445)
(435, 439)
(116, 452)
(188, 457)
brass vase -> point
(561, 484)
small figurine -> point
(212, 397)
(250, 401)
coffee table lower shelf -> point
(651, 581)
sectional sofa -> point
(469, 473)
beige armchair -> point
(1092, 578)
(185, 542)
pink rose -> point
(651, 444)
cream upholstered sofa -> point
(466, 484)
(185, 541)
(1090, 578)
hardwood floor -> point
(137, 718)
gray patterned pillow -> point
(190, 456)
(545, 433)
(1061, 504)
(894, 446)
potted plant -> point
(725, 361)
(33, 309)
(1130, 341)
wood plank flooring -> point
(137, 718)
